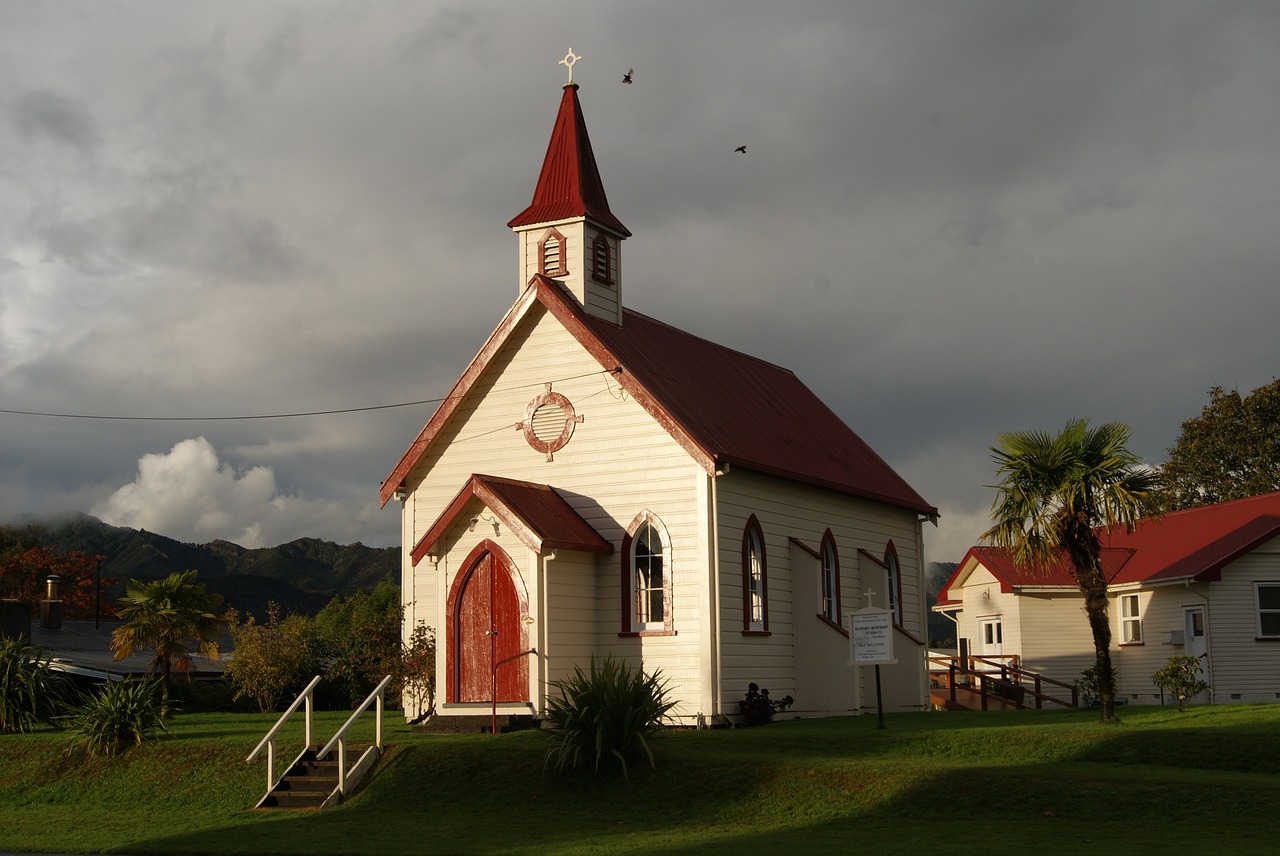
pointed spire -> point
(569, 185)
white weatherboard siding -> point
(619, 463)
(787, 510)
(1053, 636)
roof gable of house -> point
(722, 406)
(1193, 544)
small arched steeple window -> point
(552, 258)
(601, 259)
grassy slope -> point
(1204, 781)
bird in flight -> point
(626, 78)
(742, 149)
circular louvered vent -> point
(548, 423)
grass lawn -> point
(1205, 781)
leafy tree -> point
(360, 638)
(165, 615)
(1230, 451)
(1055, 493)
(273, 661)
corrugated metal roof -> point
(569, 184)
(723, 405)
(535, 513)
(747, 412)
(1193, 544)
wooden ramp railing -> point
(994, 683)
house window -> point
(1130, 620)
(830, 579)
(755, 580)
(601, 260)
(1268, 598)
(894, 582)
(646, 571)
(551, 254)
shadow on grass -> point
(820, 787)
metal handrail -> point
(269, 740)
(340, 740)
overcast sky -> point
(953, 219)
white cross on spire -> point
(569, 59)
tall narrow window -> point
(551, 254)
(755, 580)
(830, 579)
(647, 554)
(601, 260)
(894, 583)
(1130, 620)
(646, 583)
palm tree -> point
(165, 615)
(1056, 493)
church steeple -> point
(568, 232)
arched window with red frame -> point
(755, 580)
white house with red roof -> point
(1203, 582)
(600, 483)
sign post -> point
(871, 643)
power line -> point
(271, 415)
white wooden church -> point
(600, 483)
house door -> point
(991, 637)
(1195, 637)
(486, 635)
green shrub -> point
(121, 714)
(1180, 677)
(604, 715)
(31, 692)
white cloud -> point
(189, 494)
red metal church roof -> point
(723, 406)
(569, 184)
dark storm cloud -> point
(952, 219)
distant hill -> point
(302, 576)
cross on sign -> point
(868, 595)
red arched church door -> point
(485, 630)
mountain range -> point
(301, 576)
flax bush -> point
(31, 692)
(121, 714)
(604, 715)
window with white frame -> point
(646, 577)
(1130, 620)
(830, 579)
(755, 580)
(1267, 596)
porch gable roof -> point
(534, 513)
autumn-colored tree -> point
(25, 566)
(1230, 451)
